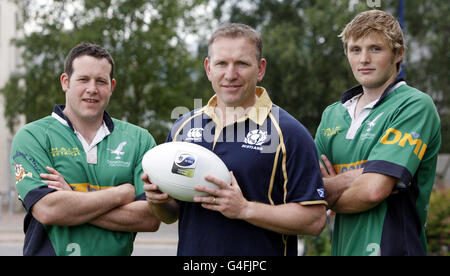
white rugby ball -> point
(177, 167)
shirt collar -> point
(61, 117)
(257, 113)
(352, 92)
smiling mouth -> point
(91, 100)
(231, 86)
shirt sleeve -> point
(305, 184)
(146, 143)
(324, 134)
(412, 135)
(319, 142)
(28, 160)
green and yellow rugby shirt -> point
(274, 160)
(399, 137)
(114, 158)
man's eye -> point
(243, 63)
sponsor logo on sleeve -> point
(21, 173)
(405, 140)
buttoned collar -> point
(257, 113)
(61, 117)
(353, 92)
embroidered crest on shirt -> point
(118, 151)
(21, 173)
(372, 123)
(255, 139)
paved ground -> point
(161, 243)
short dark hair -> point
(235, 30)
(87, 49)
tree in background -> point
(427, 64)
(147, 39)
(307, 69)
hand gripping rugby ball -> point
(177, 167)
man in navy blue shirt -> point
(276, 192)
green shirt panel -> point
(402, 130)
(47, 142)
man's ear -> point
(64, 79)
(261, 69)
(113, 84)
(207, 68)
(400, 55)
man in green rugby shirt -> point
(379, 147)
(78, 170)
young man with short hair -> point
(379, 147)
(78, 171)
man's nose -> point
(92, 86)
(365, 57)
(231, 72)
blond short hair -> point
(374, 21)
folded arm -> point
(289, 218)
(104, 208)
(74, 208)
(365, 192)
(353, 191)
(132, 217)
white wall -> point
(9, 59)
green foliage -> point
(319, 245)
(427, 61)
(438, 222)
(307, 69)
(154, 70)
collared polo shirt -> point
(274, 160)
(52, 141)
(399, 137)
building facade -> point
(9, 63)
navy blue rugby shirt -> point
(274, 160)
